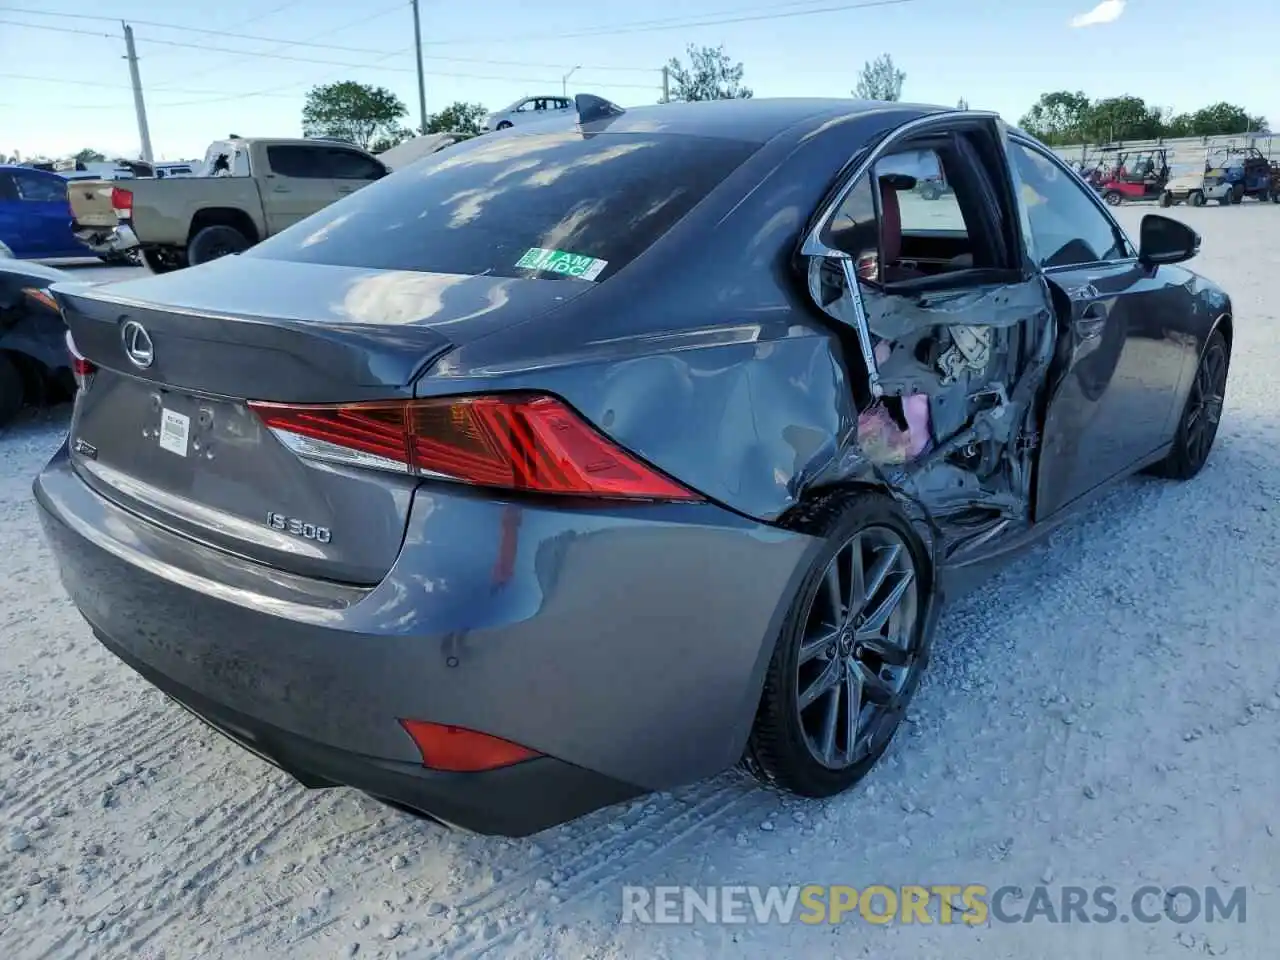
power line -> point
(654, 26)
(324, 33)
(297, 43)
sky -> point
(64, 81)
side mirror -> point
(1165, 240)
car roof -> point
(752, 120)
(9, 167)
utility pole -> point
(666, 84)
(144, 134)
(422, 84)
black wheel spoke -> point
(823, 642)
(857, 577)
(875, 688)
(831, 584)
(853, 711)
(878, 618)
(821, 684)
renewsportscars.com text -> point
(943, 904)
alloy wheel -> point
(859, 647)
(1204, 406)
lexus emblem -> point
(137, 344)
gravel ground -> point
(1104, 712)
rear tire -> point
(215, 242)
(1113, 198)
(1198, 426)
(1166, 199)
(857, 632)
(12, 390)
(1196, 198)
(504, 125)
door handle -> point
(346, 189)
(1091, 321)
(279, 189)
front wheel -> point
(1201, 415)
(504, 125)
(1166, 199)
(851, 653)
(1196, 198)
(1113, 198)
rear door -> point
(1119, 367)
(46, 214)
(296, 183)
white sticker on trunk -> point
(175, 429)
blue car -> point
(35, 216)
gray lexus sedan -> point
(600, 455)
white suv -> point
(529, 110)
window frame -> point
(861, 165)
(18, 175)
(379, 168)
(321, 162)
(1125, 243)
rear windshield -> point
(550, 205)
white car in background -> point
(529, 110)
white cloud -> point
(1108, 11)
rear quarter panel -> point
(705, 355)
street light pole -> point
(564, 81)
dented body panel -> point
(942, 402)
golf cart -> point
(1133, 174)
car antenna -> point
(591, 108)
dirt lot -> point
(1106, 712)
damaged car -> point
(576, 463)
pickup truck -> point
(248, 190)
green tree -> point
(1223, 118)
(90, 156)
(356, 112)
(458, 117)
(880, 80)
(1122, 118)
(1058, 117)
(710, 75)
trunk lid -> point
(169, 435)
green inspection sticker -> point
(562, 262)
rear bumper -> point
(513, 801)
(626, 644)
(118, 239)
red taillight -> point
(458, 750)
(524, 442)
(81, 367)
(122, 202)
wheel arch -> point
(223, 217)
